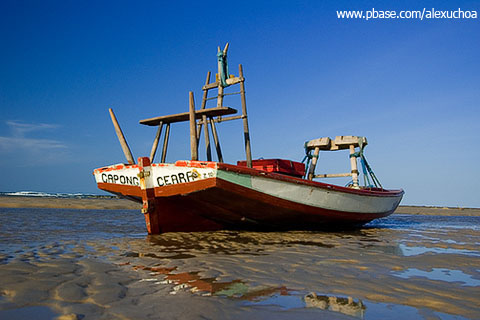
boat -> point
(252, 194)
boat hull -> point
(206, 196)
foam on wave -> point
(51, 195)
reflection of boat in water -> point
(266, 194)
(241, 290)
(193, 282)
(343, 305)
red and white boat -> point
(271, 194)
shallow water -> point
(101, 264)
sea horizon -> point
(81, 195)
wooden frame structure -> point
(339, 143)
(205, 117)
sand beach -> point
(67, 203)
(91, 258)
(113, 203)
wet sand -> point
(438, 211)
(68, 264)
(115, 204)
(67, 203)
(248, 275)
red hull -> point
(215, 204)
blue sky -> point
(412, 87)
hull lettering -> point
(176, 178)
(120, 179)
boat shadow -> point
(183, 245)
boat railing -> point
(339, 143)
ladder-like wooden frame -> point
(205, 117)
(198, 118)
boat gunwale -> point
(191, 188)
(285, 178)
(261, 173)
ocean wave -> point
(53, 195)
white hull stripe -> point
(168, 174)
(314, 196)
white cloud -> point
(18, 140)
(12, 143)
(19, 129)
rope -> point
(367, 170)
(372, 174)
(366, 179)
(308, 157)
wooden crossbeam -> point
(339, 143)
(223, 119)
(321, 143)
(185, 116)
(230, 81)
(344, 142)
(332, 175)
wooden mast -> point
(204, 121)
(216, 140)
(155, 142)
(165, 142)
(123, 142)
(193, 128)
(246, 132)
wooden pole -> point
(311, 170)
(220, 95)
(121, 138)
(204, 118)
(333, 175)
(165, 142)
(155, 142)
(205, 92)
(204, 103)
(353, 163)
(207, 139)
(193, 128)
(246, 133)
(216, 140)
